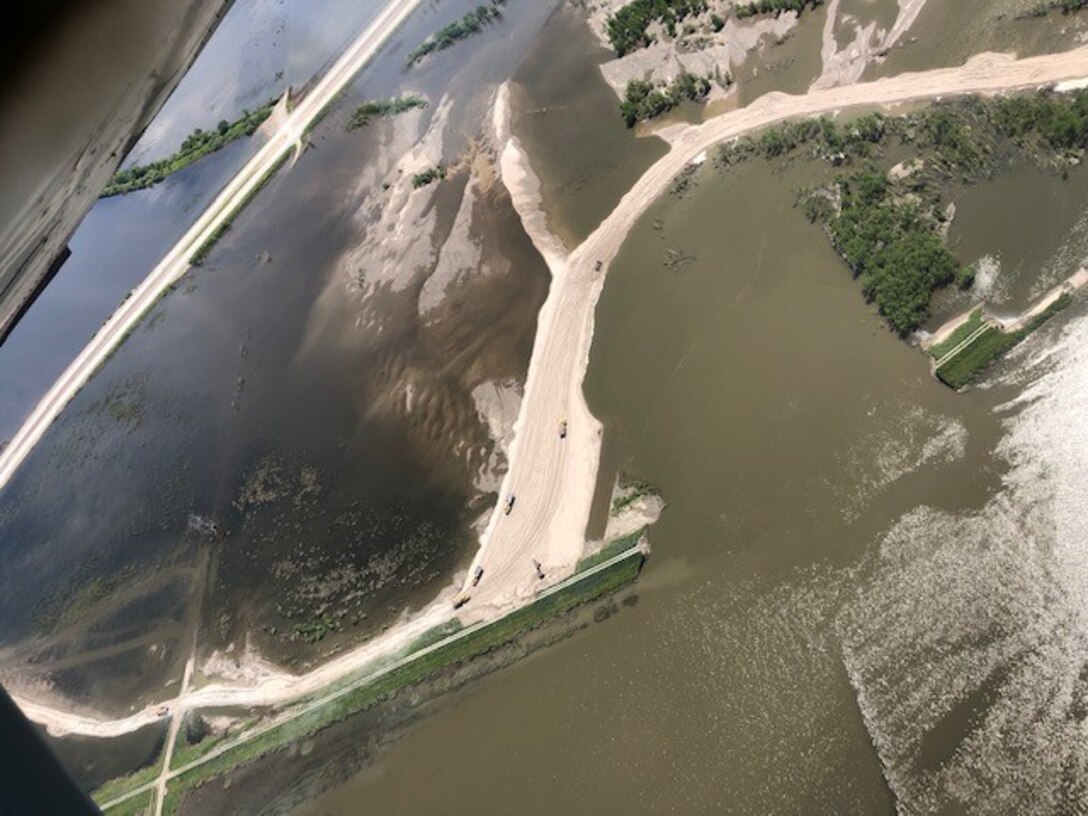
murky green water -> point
(1031, 223)
(338, 477)
(794, 438)
(569, 123)
(948, 32)
(828, 565)
(789, 66)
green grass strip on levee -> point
(118, 787)
(609, 550)
(962, 332)
(186, 752)
(457, 648)
(171, 801)
(197, 258)
(991, 345)
(138, 805)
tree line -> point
(627, 28)
(197, 144)
(363, 114)
(645, 99)
(471, 23)
(775, 7)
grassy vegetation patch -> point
(138, 805)
(427, 176)
(990, 345)
(365, 113)
(609, 550)
(195, 738)
(471, 23)
(628, 28)
(631, 493)
(775, 7)
(1064, 6)
(464, 646)
(197, 145)
(969, 363)
(961, 333)
(124, 784)
(434, 635)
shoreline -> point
(178, 260)
(579, 286)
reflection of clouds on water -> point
(885, 451)
(961, 638)
(987, 271)
(259, 49)
(968, 639)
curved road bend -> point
(546, 473)
(176, 262)
(550, 515)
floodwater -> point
(569, 123)
(92, 761)
(259, 49)
(790, 65)
(326, 449)
(1024, 250)
(863, 586)
(866, 590)
(948, 33)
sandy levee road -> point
(553, 478)
(176, 262)
(271, 690)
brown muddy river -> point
(325, 435)
(862, 593)
(813, 633)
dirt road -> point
(287, 137)
(553, 478)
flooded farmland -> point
(858, 579)
(865, 595)
(315, 409)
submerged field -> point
(294, 448)
(800, 445)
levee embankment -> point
(968, 344)
(455, 645)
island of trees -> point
(196, 146)
(775, 7)
(644, 99)
(889, 228)
(627, 28)
(471, 23)
(363, 114)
